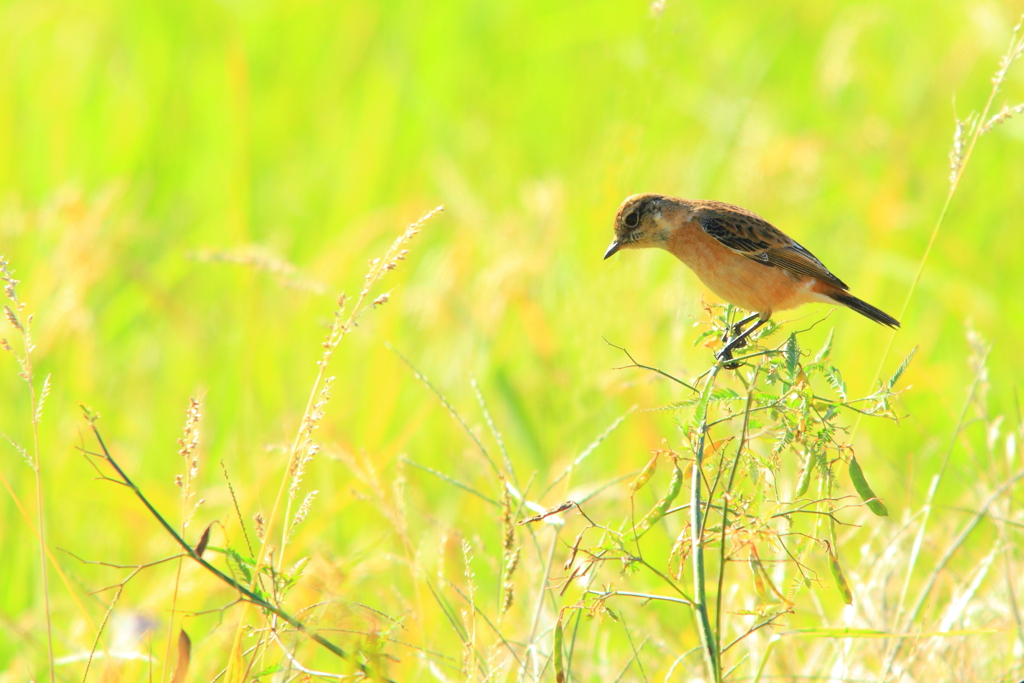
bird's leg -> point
(737, 329)
(737, 342)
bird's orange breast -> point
(738, 279)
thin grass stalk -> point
(566, 474)
(186, 490)
(444, 477)
(649, 597)
(37, 471)
(23, 323)
(26, 515)
(495, 433)
(301, 457)
(166, 672)
(338, 331)
(977, 130)
(944, 560)
(725, 513)
(929, 500)
(1009, 574)
(235, 653)
(248, 596)
(507, 489)
(636, 652)
(494, 627)
(469, 620)
(772, 640)
(572, 641)
(676, 662)
(538, 607)
(451, 410)
(824, 493)
(981, 513)
(700, 596)
(42, 530)
(99, 632)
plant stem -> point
(339, 329)
(976, 131)
(725, 513)
(700, 596)
(249, 596)
(39, 511)
(23, 324)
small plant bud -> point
(258, 522)
(12, 319)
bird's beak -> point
(612, 248)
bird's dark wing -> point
(758, 240)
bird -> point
(738, 255)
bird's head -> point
(640, 223)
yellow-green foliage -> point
(186, 187)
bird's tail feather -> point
(864, 308)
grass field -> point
(185, 189)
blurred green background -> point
(144, 147)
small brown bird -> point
(739, 256)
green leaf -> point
(825, 435)
(835, 378)
(826, 349)
(704, 335)
(864, 491)
(792, 356)
(783, 442)
(276, 668)
(901, 369)
(701, 410)
(724, 394)
(241, 564)
(295, 573)
(769, 329)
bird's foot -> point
(725, 358)
(736, 330)
(741, 342)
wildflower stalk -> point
(700, 596)
(23, 324)
(339, 328)
(975, 126)
(248, 595)
(188, 444)
(775, 407)
(725, 513)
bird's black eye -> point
(632, 220)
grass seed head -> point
(259, 524)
